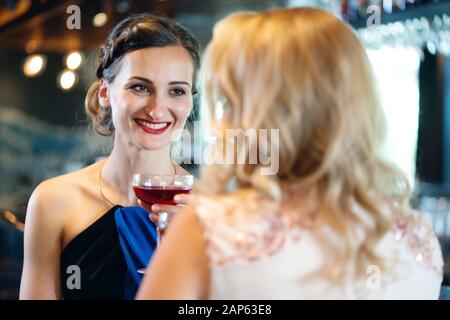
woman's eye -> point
(177, 92)
(140, 88)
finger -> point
(154, 217)
(156, 208)
(182, 198)
(171, 210)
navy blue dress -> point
(108, 254)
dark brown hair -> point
(133, 33)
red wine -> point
(161, 195)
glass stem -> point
(158, 236)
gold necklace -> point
(100, 184)
(100, 187)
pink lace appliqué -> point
(420, 239)
(240, 230)
(249, 229)
(244, 229)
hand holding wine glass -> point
(157, 194)
(155, 210)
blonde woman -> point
(334, 221)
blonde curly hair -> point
(304, 72)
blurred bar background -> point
(46, 68)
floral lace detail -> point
(244, 229)
(413, 229)
(247, 227)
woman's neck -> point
(118, 169)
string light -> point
(67, 79)
(73, 60)
(34, 65)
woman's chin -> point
(153, 145)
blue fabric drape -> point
(137, 235)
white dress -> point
(256, 253)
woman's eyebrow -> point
(141, 79)
(150, 82)
(180, 82)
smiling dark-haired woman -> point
(85, 235)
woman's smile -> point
(152, 127)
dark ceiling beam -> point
(38, 8)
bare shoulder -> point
(60, 193)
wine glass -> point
(161, 189)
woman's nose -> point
(157, 108)
(156, 114)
